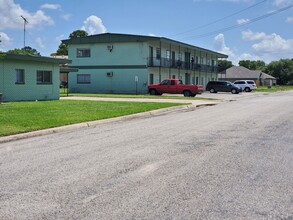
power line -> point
(243, 24)
(221, 19)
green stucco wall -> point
(30, 90)
(127, 62)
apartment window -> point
(84, 52)
(158, 53)
(83, 78)
(201, 60)
(179, 56)
(19, 76)
(44, 77)
(168, 54)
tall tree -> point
(78, 33)
(224, 64)
(253, 64)
(282, 70)
(25, 51)
(63, 49)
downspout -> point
(170, 64)
(180, 59)
(193, 67)
(206, 67)
(211, 66)
(160, 76)
(3, 75)
(200, 66)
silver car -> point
(246, 85)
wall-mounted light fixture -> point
(110, 48)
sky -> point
(242, 29)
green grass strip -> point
(19, 117)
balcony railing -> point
(177, 64)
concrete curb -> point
(66, 128)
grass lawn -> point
(19, 117)
(273, 88)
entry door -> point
(173, 58)
(151, 54)
(187, 60)
(187, 78)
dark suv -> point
(222, 86)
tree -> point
(224, 64)
(282, 70)
(252, 64)
(25, 51)
(78, 33)
(63, 49)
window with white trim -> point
(83, 52)
(19, 76)
(83, 78)
(168, 54)
(44, 77)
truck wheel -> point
(212, 90)
(153, 92)
(186, 93)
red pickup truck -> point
(175, 86)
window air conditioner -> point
(110, 47)
(109, 74)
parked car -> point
(175, 86)
(246, 85)
(222, 86)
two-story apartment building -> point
(123, 63)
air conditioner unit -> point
(110, 47)
(109, 74)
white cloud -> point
(252, 36)
(40, 43)
(60, 37)
(51, 6)
(66, 17)
(242, 21)
(289, 20)
(247, 56)
(5, 40)
(282, 3)
(93, 25)
(269, 47)
(272, 43)
(221, 47)
(11, 16)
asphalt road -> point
(229, 161)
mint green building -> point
(24, 78)
(123, 63)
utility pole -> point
(24, 24)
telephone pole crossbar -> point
(24, 24)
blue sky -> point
(267, 33)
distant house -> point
(123, 63)
(239, 72)
(24, 78)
